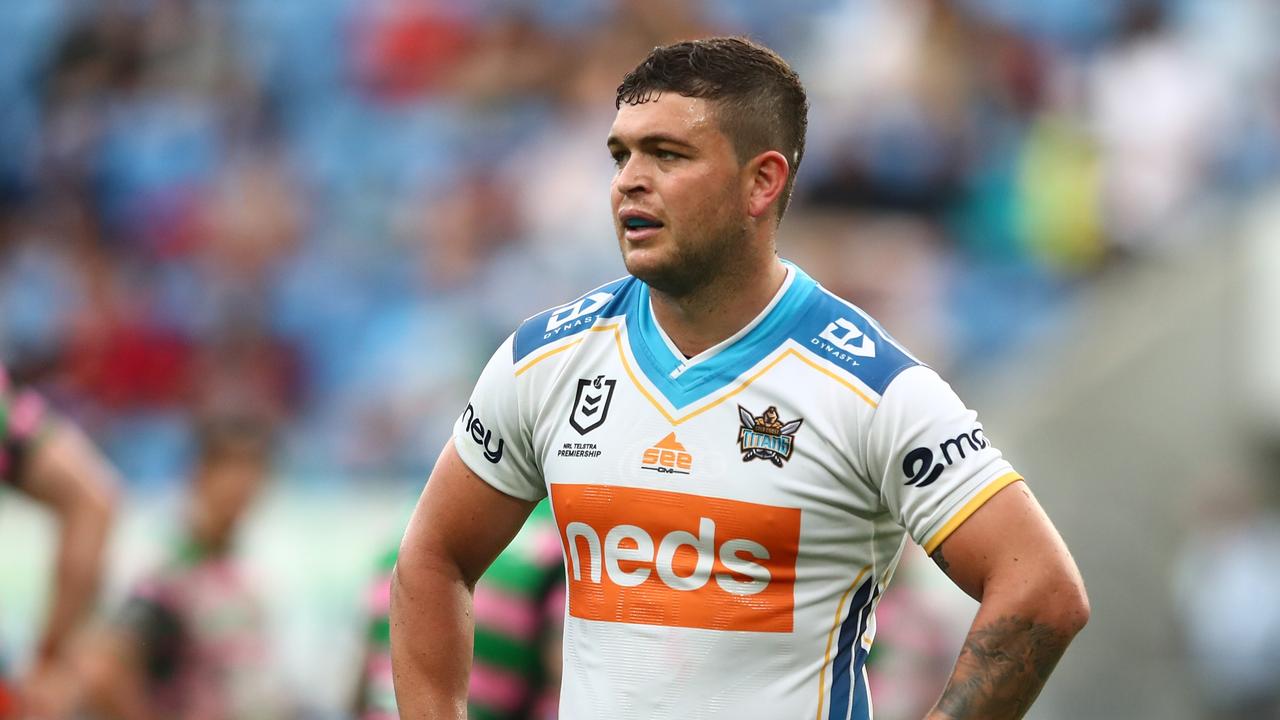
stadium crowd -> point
(331, 210)
(326, 213)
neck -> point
(719, 308)
(207, 534)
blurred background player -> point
(53, 463)
(917, 632)
(519, 622)
(189, 644)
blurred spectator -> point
(1227, 594)
(190, 641)
(244, 199)
(50, 461)
(519, 617)
(405, 48)
(1157, 111)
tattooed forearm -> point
(1001, 669)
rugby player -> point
(519, 612)
(191, 639)
(52, 462)
(734, 455)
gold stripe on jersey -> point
(546, 355)
(833, 376)
(970, 508)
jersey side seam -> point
(826, 660)
(866, 437)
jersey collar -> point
(684, 381)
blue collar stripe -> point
(657, 362)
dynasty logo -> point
(766, 437)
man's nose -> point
(632, 177)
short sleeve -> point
(931, 458)
(491, 436)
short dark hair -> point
(760, 102)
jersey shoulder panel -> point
(845, 336)
(562, 321)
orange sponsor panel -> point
(664, 558)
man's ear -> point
(765, 180)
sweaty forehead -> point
(689, 119)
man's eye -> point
(620, 159)
(667, 155)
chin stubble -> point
(694, 268)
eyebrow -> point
(651, 140)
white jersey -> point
(729, 521)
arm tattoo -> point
(941, 561)
(1001, 669)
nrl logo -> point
(766, 437)
(591, 404)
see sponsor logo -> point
(662, 558)
(923, 467)
(667, 456)
(482, 436)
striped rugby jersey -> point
(201, 631)
(730, 520)
(519, 605)
(23, 418)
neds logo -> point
(673, 559)
(919, 465)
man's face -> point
(678, 194)
(225, 488)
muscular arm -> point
(1009, 557)
(66, 474)
(460, 525)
